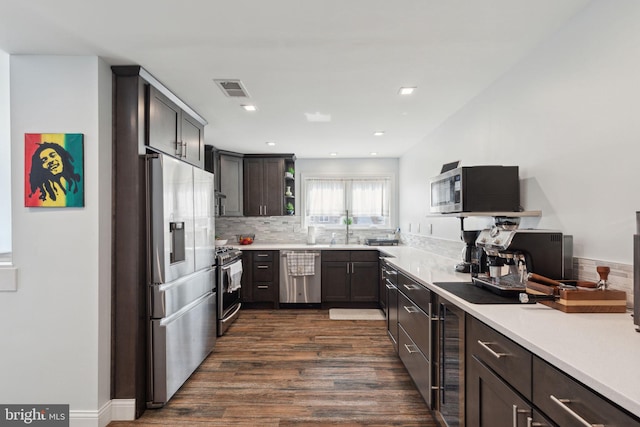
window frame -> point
(393, 217)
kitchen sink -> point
(475, 294)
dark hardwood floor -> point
(296, 368)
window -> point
(366, 199)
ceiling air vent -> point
(232, 88)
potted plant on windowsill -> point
(289, 208)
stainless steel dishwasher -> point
(300, 277)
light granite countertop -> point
(601, 350)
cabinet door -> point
(364, 282)
(231, 183)
(490, 401)
(335, 281)
(253, 180)
(273, 187)
(192, 137)
(163, 123)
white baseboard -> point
(113, 410)
(123, 409)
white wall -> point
(5, 156)
(568, 115)
(56, 326)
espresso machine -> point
(512, 253)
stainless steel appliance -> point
(300, 280)
(476, 189)
(229, 286)
(511, 254)
(181, 272)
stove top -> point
(227, 254)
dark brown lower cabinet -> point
(350, 276)
(568, 403)
(491, 402)
(260, 278)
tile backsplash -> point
(286, 229)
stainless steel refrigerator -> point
(182, 273)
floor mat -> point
(356, 314)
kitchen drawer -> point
(417, 293)
(263, 255)
(416, 324)
(417, 365)
(263, 271)
(336, 256)
(566, 402)
(506, 358)
(365, 256)
(264, 292)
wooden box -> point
(582, 301)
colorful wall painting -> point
(54, 170)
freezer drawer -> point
(179, 345)
(169, 298)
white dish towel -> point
(235, 276)
(301, 263)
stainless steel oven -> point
(229, 286)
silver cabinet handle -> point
(390, 287)
(563, 404)
(411, 348)
(485, 345)
(517, 412)
(531, 423)
(263, 286)
(263, 267)
(392, 272)
(262, 255)
(410, 309)
(411, 287)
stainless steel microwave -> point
(476, 189)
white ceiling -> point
(343, 58)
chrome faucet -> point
(346, 240)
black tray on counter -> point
(476, 295)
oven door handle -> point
(232, 314)
(227, 267)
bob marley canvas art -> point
(54, 170)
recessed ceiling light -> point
(407, 90)
(333, 154)
(270, 144)
(378, 133)
(249, 107)
(373, 153)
